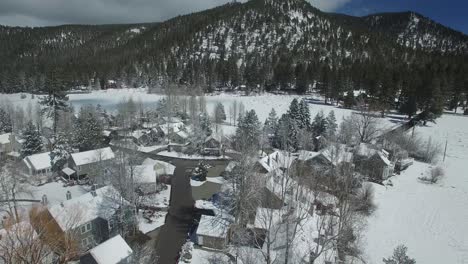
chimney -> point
(269, 160)
(69, 196)
(44, 200)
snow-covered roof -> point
(172, 120)
(111, 251)
(5, 138)
(139, 133)
(276, 160)
(73, 213)
(68, 171)
(213, 137)
(304, 155)
(384, 158)
(182, 134)
(266, 217)
(365, 150)
(171, 127)
(160, 167)
(92, 156)
(106, 133)
(207, 205)
(213, 226)
(39, 161)
(337, 154)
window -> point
(85, 228)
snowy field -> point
(431, 220)
(108, 99)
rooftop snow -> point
(73, 213)
(161, 167)
(92, 156)
(5, 138)
(276, 160)
(39, 161)
(212, 226)
(112, 251)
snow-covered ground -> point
(146, 226)
(262, 104)
(431, 220)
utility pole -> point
(445, 151)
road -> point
(180, 217)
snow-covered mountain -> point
(261, 42)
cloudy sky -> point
(57, 12)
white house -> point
(83, 162)
(37, 165)
(92, 217)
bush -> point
(364, 201)
(23, 96)
(428, 151)
(435, 174)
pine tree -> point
(205, 123)
(53, 103)
(88, 130)
(331, 124)
(32, 140)
(248, 132)
(303, 119)
(60, 153)
(5, 122)
(286, 134)
(271, 122)
(219, 114)
(319, 126)
(294, 110)
(399, 256)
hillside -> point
(269, 44)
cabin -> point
(37, 165)
(149, 175)
(84, 163)
(113, 251)
(212, 232)
(91, 218)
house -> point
(37, 165)
(169, 128)
(5, 145)
(373, 163)
(276, 160)
(112, 251)
(10, 145)
(212, 232)
(91, 218)
(213, 146)
(84, 163)
(379, 167)
(179, 137)
(144, 137)
(332, 156)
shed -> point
(212, 232)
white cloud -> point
(328, 5)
